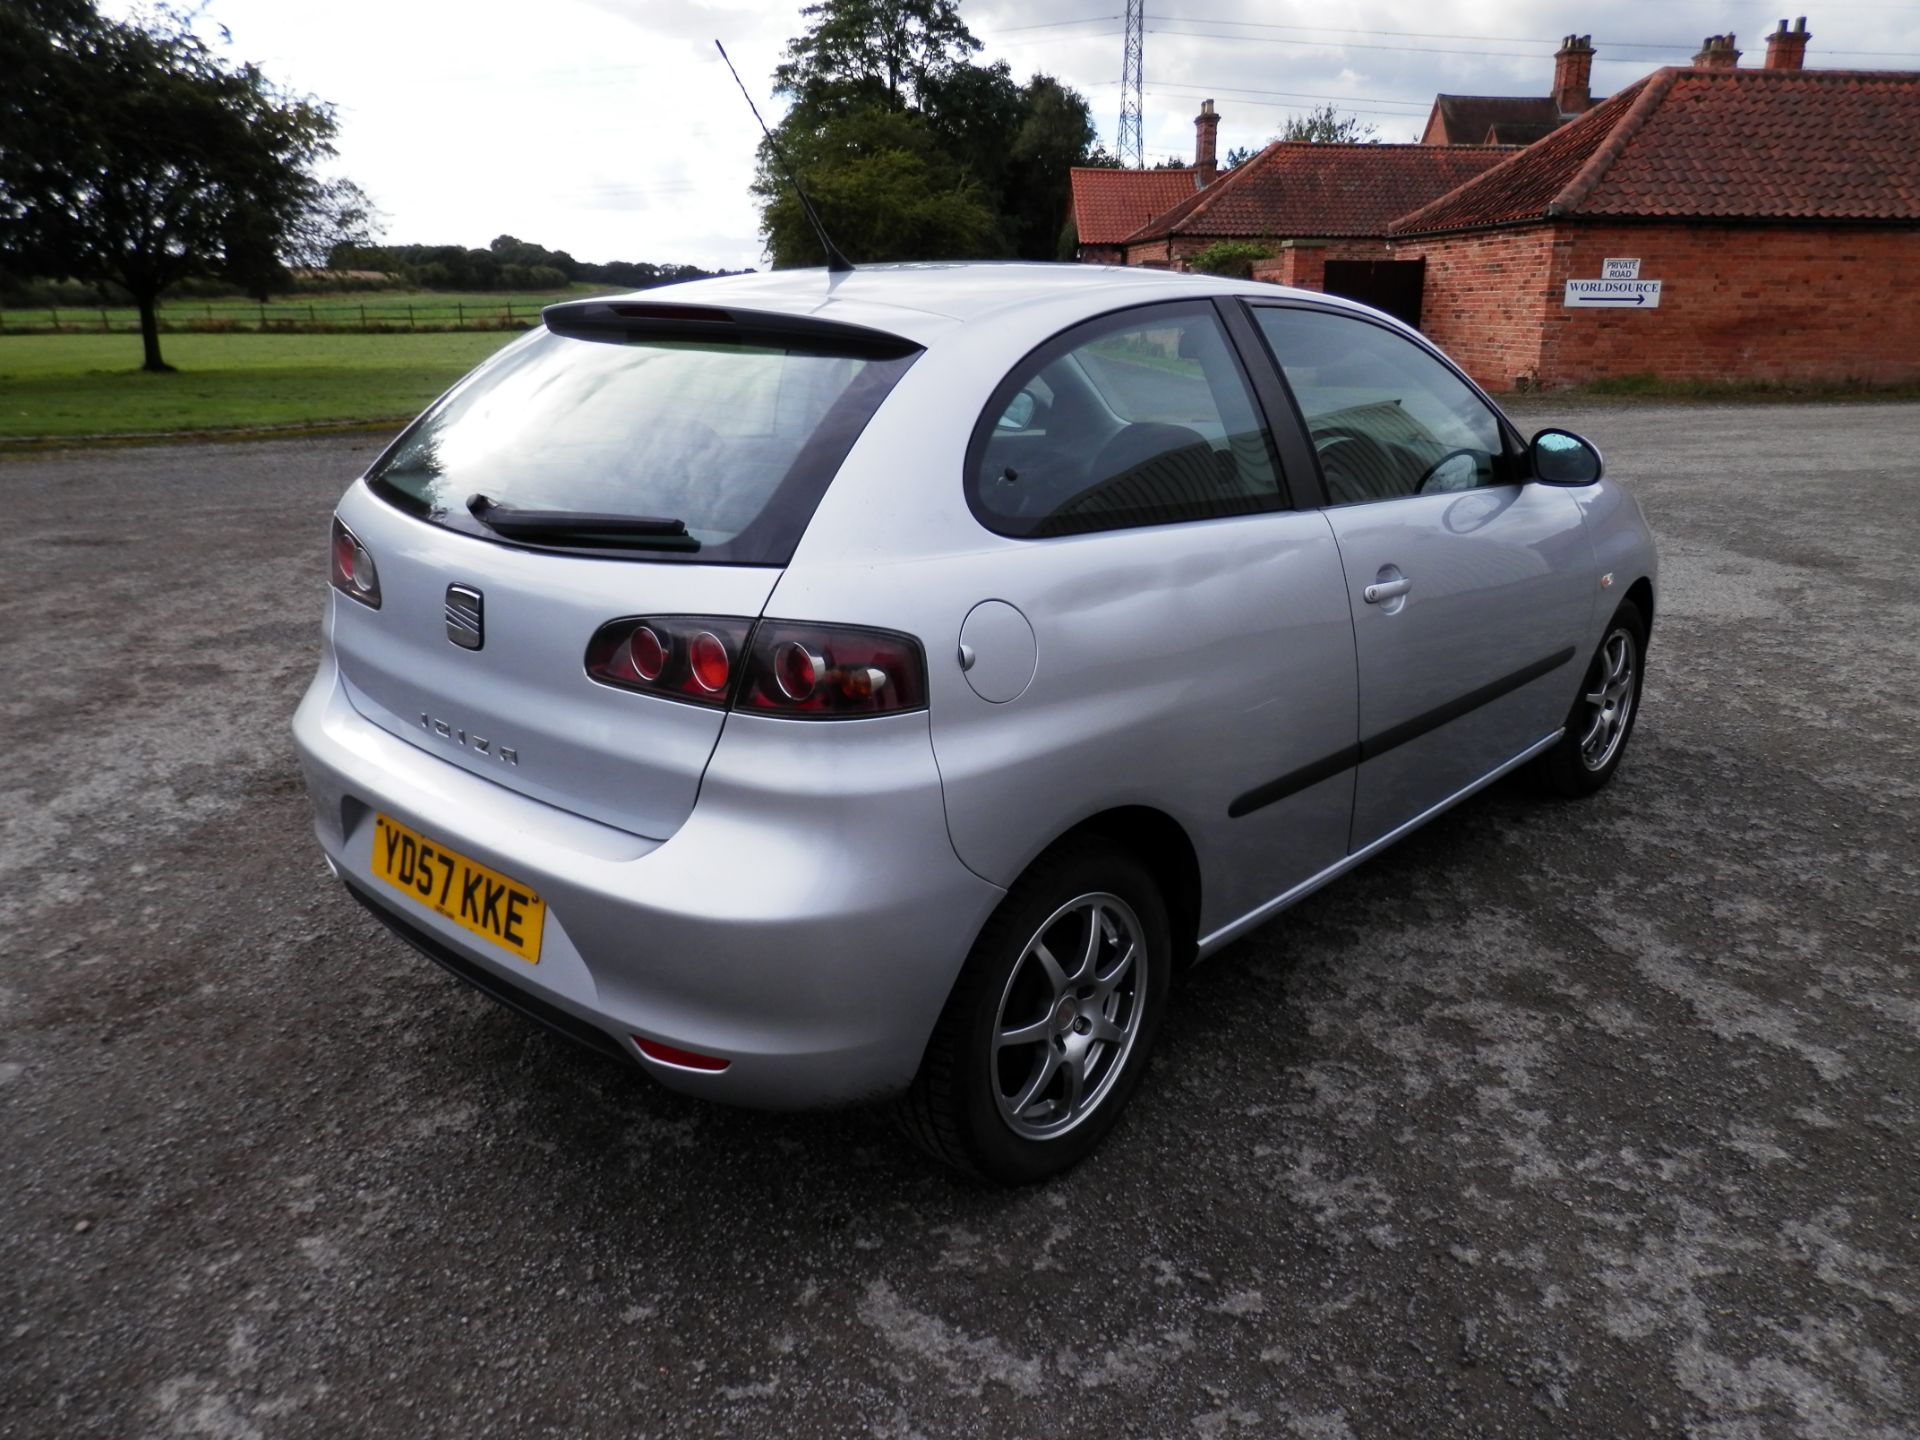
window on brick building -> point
(1388, 419)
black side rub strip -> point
(1375, 746)
(1291, 784)
(1466, 704)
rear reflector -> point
(682, 1059)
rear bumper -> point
(805, 923)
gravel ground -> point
(1591, 1119)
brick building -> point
(1707, 222)
(1109, 205)
(1336, 199)
(1778, 210)
(1324, 207)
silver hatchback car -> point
(826, 688)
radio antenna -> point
(837, 264)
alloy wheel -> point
(1608, 700)
(1068, 1016)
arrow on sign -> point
(1609, 300)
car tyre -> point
(1048, 1029)
(1603, 714)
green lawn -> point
(62, 385)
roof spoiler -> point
(619, 320)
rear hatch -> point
(626, 460)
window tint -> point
(737, 440)
(1387, 418)
(1136, 419)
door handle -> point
(1386, 590)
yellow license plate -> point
(465, 891)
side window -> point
(1387, 419)
(1142, 418)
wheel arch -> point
(1641, 594)
(1160, 843)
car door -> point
(1150, 624)
(1469, 586)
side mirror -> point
(1561, 457)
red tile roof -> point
(1295, 189)
(1713, 144)
(1109, 205)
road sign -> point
(1612, 295)
(1620, 269)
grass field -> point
(70, 385)
(334, 311)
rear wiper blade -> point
(574, 527)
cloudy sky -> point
(610, 129)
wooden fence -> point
(317, 317)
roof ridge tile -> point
(1198, 202)
(1653, 90)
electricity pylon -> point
(1132, 146)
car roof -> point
(922, 301)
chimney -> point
(1718, 53)
(1787, 49)
(1206, 134)
(1573, 75)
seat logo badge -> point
(464, 626)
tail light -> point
(353, 572)
(830, 672)
(695, 658)
(775, 667)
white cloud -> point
(609, 128)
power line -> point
(1344, 44)
(1237, 91)
(1403, 34)
(1286, 105)
(1057, 39)
(1681, 48)
(1491, 39)
(1680, 52)
(1050, 24)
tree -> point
(1327, 126)
(137, 157)
(884, 189)
(904, 49)
(973, 113)
(910, 149)
(1238, 156)
(1055, 133)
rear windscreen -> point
(737, 440)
